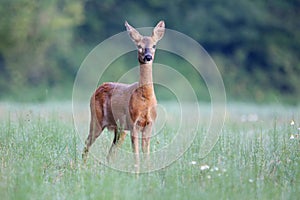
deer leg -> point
(135, 148)
(95, 131)
(117, 143)
(146, 135)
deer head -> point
(146, 44)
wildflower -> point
(204, 167)
(208, 177)
(292, 137)
(193, 162)
(251, 180)
(214, 169)
(292, 123)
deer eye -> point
(140, 48)
(154, 46)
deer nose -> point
(148, 57)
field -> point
(255, 157)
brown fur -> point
(143, 106)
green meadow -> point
(256, 157)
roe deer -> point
(132, 107)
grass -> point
(256, 157)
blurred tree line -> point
(255, 44)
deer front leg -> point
(135, 148)
(146, 135)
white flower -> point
(292, 137)
(292, 123)
(251, 180)
(214, 169)
(204, 167)
(193, 162)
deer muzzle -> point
(148, 56)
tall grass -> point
(256, 157)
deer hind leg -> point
(117, 143)
(95, 131)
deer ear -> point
(134, 34)
(158, 31)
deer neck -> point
(146, 75)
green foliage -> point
(254, 43)
(35, 45)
